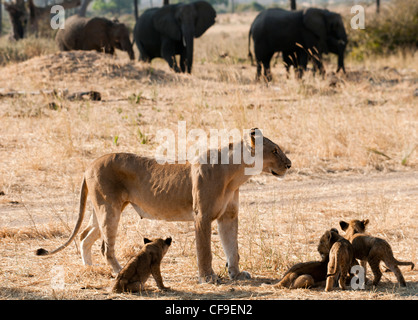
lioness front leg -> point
(203, 248)
(228, 232)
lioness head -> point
(274, 160)
(354, 226)
(326, 242)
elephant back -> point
(69, 38)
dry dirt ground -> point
(352, 140)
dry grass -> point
(352, 141)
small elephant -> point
(97, 33)
(299, 35)
(170, 30)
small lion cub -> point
(372, 250)
(341, 257)
(136, 272)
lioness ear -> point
(168, 241)
(146, 240)
(365, 222)
(253, 132)
(343, 225)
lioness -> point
(133, 276)
(373, 250)
(175, 192)
(341, 257)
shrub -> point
(395, 28)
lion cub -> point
(305, 275)
(372, 250)
(136, 272)
(341, 257)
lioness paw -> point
(243, 275)
(213, 278)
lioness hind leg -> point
(108, 219)
(88, 237)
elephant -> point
(299, 35)
(97, 33)
(170, 30)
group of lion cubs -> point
(338, 254)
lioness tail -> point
(83, 200)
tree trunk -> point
(166, 2)
(83, 8)
(20, 14)
(292, 4)
(136, 9)
(377, 6)
(1, 14)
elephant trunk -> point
(341, 49)
(188, 41)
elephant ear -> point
(314, 20)
(164, 22)
(205, 17)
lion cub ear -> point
(168, 241)
(343, 225)
(334, 230)
(146, 240)
(365, 222)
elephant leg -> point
(168, 53)
(143, 55)
(267, 71)
(183, 62)
(258, 75)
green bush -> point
(253, 6)
(394, 29)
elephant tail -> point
(250, 55)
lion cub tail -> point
(83, 200)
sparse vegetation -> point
(351, 138)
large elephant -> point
(299, 35)
(168, 31)
(97, 33)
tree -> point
(83, 8)
(1, 14)
(21, 11)
(377, 6)
(136, 9)
(166, 2)
(112, 6)
(292, 4)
